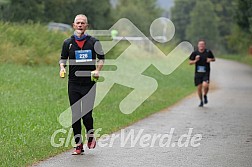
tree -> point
(244, 15)
(225, 10)
(57, 10)
(240, 39)
(23, 11)
(180, 16)
(98, 12)
(141, 13)
(203, 24)
(44, 11)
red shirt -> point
(80, 43)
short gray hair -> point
(80, 15)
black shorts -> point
(199, 78)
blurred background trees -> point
(203, 24)
(141, 13)
(63, 11)
(225, 25)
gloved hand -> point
(94, 76)
(62, 72)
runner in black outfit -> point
(202, 58)
(79, 49)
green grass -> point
(33, 97)
(246, 59)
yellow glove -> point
(62, 73)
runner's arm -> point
(191, 62)
(211, 57)
(193, 59)
(99, 64)
(210, 60)
(64, 57)
(100, 57)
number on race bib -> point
(83, 55)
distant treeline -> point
(225, 25)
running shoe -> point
(78, 150)
(91, 144)
(205, 99)
(201, 104)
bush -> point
(30, 44)
(239, 41)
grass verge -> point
(246, 59)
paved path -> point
(225, 125)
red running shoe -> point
(91, 144)
(78, 150)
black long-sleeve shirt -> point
(81, 59)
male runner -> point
(202, 58)
(79, 49)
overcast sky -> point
(165, 4)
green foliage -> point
(180, 15)
(239, 40)
(58, 11)
(141, 13)
(99, 12)
(29, 44)
(225, 10)
(203, 24)
(18, 10)
(244, 15)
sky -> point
(165, 4)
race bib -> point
(201, 68)
(83, 56)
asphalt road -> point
(225, 125)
